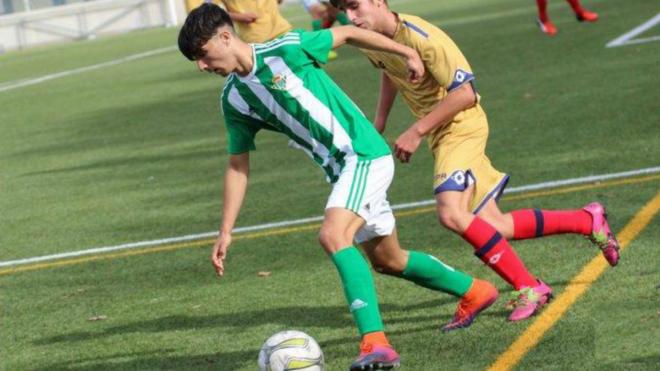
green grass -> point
(136, 152)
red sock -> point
(495, 251)
(575, 4)
(543, 10)
(532, 223)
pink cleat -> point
(529, 300)
(601, 234)
(375, 357)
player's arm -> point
(245, 17)
(459, 99)
(236, 179)
(366, 39)
(385, 101)
(456, 101)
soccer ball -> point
(291, 350)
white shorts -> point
(362, 188)
(310, 3)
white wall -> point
(81, 21)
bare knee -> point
(333, 241)
(451, 218)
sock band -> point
(481, 252)
(538, 214)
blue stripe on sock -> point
(539, 222)
(489, 245)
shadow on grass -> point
(229, 360)
(296, 316)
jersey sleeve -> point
(241, 130)
(447, 64)
(317, 44)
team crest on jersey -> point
(279, 82)
(381, 64)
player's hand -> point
(415, 67)
(406, 144)
(248, 17)
(220, 252)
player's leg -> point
(496, 252)
(336, 237)
(335, 14)
(582, 14)
(387, 257)
(316, 10)
(319, 13)
(464, 182)
(590, 221)
(342, 221)
(543, 19)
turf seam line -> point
(288, 223)
(574, 290)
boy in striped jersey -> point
(466, 185)
(280, 86)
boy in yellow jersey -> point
(257, 21)
(466, 185)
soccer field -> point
(100, 148)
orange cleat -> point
(547, 27)
(586, 16)
(481, 295)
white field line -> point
(625, 39)
(27, 82)
(288, 223)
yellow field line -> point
(401, 214)
(576, 288)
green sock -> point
(343, 19)
(316, 24)
(428, 271)
(359, 289)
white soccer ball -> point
(291, 350)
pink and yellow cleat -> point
(601, 234)
(481, 295)
(529, 300)
(376, 357)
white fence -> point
(86, 20)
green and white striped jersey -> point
(287, 91)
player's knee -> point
(332, 241)
(450, 217)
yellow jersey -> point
(269, 24)
(446, 70)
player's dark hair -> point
(340, 4)
(200, 26)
